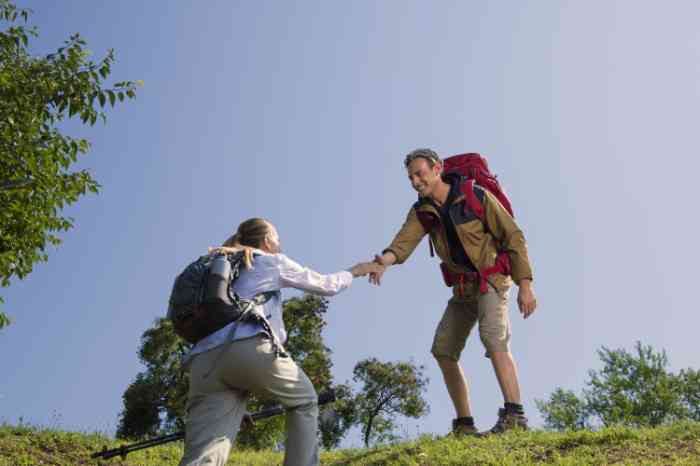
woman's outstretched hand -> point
(364, 268)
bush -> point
(632, 389)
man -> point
(468, 246)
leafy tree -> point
(37, 94)
(633, 389)
(389, 389)
(563, 411)
(304, 321)
(336, 420)
(141, 415)
(689, 382)
(155, 402)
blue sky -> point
(301, 112)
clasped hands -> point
(374, 269)
(365, 268)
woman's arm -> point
(294, 275)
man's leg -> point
(450, 336)
(507, 375)
(456, 385)
(494, 329)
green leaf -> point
(4, 320)
(37, 94)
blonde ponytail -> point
(250, 234)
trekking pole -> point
(324, 398)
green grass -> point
(677, 444)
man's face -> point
(423, 178)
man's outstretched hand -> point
(375, 277)
(526, 298)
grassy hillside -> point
(678, 444)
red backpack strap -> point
(502, 266)
(471, 201)
(429, 221)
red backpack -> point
(476, 169)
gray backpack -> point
(202, 301)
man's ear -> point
(437, 168)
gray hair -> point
(427, 154)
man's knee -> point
(443, 349)
(494, 327)
(495, 336)
(446, 363)
(495, 342)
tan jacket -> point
(482, 241)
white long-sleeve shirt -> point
(272, 272)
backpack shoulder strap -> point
(473, 197)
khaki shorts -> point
(463, 312)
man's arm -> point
(511, 239)
(402, 246)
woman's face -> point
(272, 240)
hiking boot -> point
(507, 421)
(463, 429)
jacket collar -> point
(453, 179)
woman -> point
(224, 367)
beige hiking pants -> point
(216, 404)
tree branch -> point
(10, 185)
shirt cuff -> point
(399, 261)
(346, 278)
